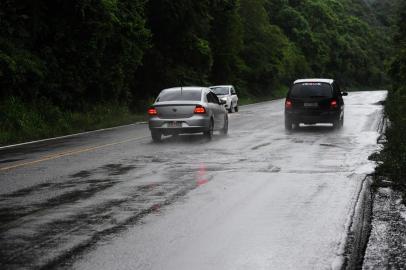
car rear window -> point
(311, 89)
(174, 95)
(220, 90)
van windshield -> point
(220, 90)
(311, 89)
(174, 95)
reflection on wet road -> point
(56, 213)
(68, 217)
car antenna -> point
(181, 86)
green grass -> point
(21, 122)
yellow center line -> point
(67, 153)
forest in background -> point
(71, 65)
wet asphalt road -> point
(259, 198)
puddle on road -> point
(26, 191)
(109, 169)
(118, 169)
(260, 146)
(82, 174)
(329, 145)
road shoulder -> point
(387, 243)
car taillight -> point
(288, 104)
(333, 104)
(152, 111)
(200, 109)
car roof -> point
(186, 88)
(329, 81)
(220, 86)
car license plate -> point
(174, 124)
(311, 104)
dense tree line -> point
(79, 52)
(71, 51)
(393, 156)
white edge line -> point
(69, 136)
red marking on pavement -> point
(156, 207)
(201, 182)
(201, 175)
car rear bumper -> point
(187, 125)
(312, 117)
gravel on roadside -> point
(387, 243)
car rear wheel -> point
(231, 110)
(156, 136)
(209, 133)
(337, 123)
(236, 108)
(288, 124)
(224, 130)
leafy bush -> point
(393, 156)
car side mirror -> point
(222, 102)
(344, 93)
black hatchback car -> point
(311, 101)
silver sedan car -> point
(187, 110)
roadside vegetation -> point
(393, 156)
(21, 121)
(67, 66)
